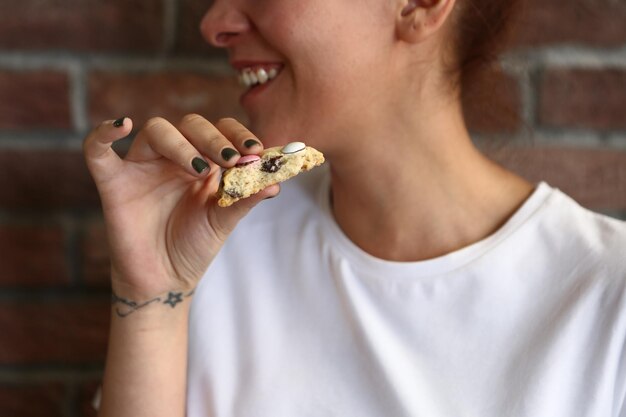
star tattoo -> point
(124, 307)
(174, 298)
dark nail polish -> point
(119, 122)
(200, 165)
(250, 143)
(228, 153)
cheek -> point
(327, 71)
(332, 90)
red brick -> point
(583, 22)
(189, 39)
(59, 332)
(493, 103)
(96, 261)
(32, 256)
(43, 180)
(594, 177)
(170, 95)
(112, 25)
(34, 100)
(583, 98)
(40, 400)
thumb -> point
(224, 219)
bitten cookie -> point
(254, 173)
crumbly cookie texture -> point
(275, 165)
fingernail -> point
(200, 165)
(119, 122)
(228, 153)
(273, 196)
(250, 143)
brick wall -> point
(557, 113)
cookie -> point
(254, 173)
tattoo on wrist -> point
(126, 307)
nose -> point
(223, 24)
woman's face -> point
(329, 59)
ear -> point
(419, 19)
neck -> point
(422, 189)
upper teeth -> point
(249, 77)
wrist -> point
(124, 305)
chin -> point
(274, 133)
(278, 130)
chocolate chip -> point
(233, 193)
(272, 165)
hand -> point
(163, 223)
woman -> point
(414, 277)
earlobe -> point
(421, 18)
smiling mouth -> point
(251, 77)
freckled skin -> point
(329, 49)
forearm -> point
(146, 365)
(164, 228)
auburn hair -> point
(482, 30)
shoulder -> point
(588, 247)
(581, 228)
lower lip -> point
(250, 95)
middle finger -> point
(223, 142)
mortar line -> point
(78, 97)
(32, 374)
(25, 61)
(72, 252)
(522, 75)
(571, 56)
(170, 24)
(71, 399)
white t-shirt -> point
(293, 320)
